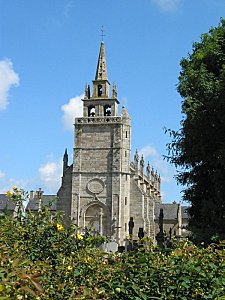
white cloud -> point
(71, 110)
(149, 151)
(50, 175)
(6, 183)
(168, 5)
(8, 78)
(48, 178)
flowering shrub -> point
(40, 259)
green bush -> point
(40, 259)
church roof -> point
(47, 200)
(6, 203)
(170, 210)
(101, 72)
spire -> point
(101, 72)
(65, 161)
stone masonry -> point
(102, 190)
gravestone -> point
(109, 247)
(112, 246)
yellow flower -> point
(59, 227)
(79, 236)
(88, 259)
(8, 194)
(15, 188)
(69, 268)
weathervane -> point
(102, 35)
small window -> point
(125, 226)
(126, 134)
(107, 110)
(125, 200)
(91, 111)
(125, 153)
(99, 90)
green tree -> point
(198, 148)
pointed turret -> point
(142, 165)
(124, 113)
(101, 72)
(148, 171)
(65, 161)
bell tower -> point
(99, 104)
(101, 161)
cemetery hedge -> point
(40, 259)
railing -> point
(97, 120)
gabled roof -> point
(47, 200)
(6, 203)
(170, 210)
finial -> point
(87, 92)
(136, 156)
(148, 169)
(114, 91)
(142, 162)
(102, 34)
(65, 154)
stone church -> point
(103, 190)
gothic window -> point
(91, 111)
(107, 110)
(99, 90)
(125, 200)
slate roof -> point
(5, 203)
(47, 200)
(169, 210)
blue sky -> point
(49, 51)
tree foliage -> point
(198, 148)
(42, 260)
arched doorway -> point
(95, 218)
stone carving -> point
(98, 120)
(95, 186)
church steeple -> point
(99, 103)
(101, 72)
(101, 85)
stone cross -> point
(39, 195)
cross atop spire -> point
(102, 34)
(101, 72)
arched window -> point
(99, 90)
(91, 111)
(107, 110)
